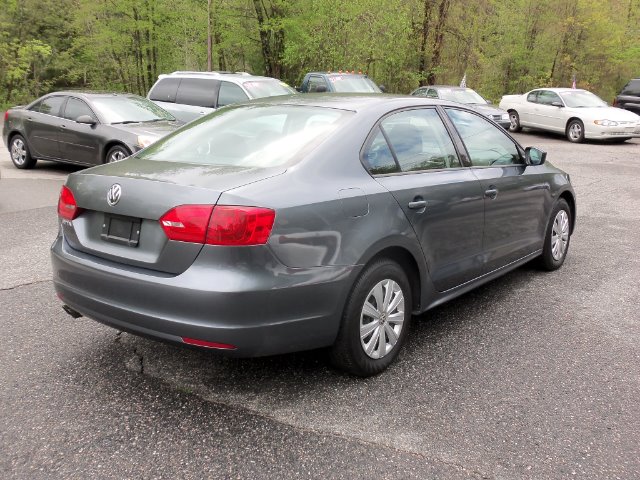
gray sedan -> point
(305, 222)
(84, 128)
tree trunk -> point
(437, 46)
(424, 38)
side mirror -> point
(383, 88)
(535, 156)
(86, 119)
(557, 104)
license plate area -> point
(121, 229)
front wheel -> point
(117, 153)
(557, 238)
(20, 155)
(514, 118)
(375, 320)
(575, 131)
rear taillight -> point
(67, 206)
(187, 223)
(219, 225)
(233, 225)
(6, 116)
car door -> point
(549, 111)
(526, 111)
(42, 127)
(516, 195)
(79, 142)
(412, 155)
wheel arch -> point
(411, 266)
(571, 119)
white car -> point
(577, 113)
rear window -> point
(199, 92)
(165, 90)
(249, 136)
(50, 105)
(353, 84)
(267, 88)
(632, 88)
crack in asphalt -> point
(35, 282)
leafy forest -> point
(503, 46)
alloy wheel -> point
(18, 151)
(560, 235)
(381, 319)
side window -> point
(76, 108)
(432, 93)
(533, 97)
(420, 141)
(199, 92)
(378, 157)
(51, 105)
(35, 107)
(315, 82)
(421, 92)
(230, 93)
(486, 144)
(632, 88)
(546, 97)
(165, 90)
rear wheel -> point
(514, 118)
(375, 321)
(117, 153)
(557, 238)
(20, 155)
(575, 131)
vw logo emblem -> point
(114, 194)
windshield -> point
(249, 136)
(267, 88)
(582, 98)
(129, 109)
(467, 96)
(353, 84)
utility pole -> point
(209, 44)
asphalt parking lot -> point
(533, 376)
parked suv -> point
(189, 95)
(629, 97)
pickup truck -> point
(338, 82)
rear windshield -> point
(249, 136)
(132, 109)
(267, 88)
(353, 84)
(467, 95)
(632, 88)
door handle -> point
(491, 193)
(418, 204)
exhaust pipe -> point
(71, 311)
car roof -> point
(239, 77)
(339, 73)
(560, 90)
(93, 93)
(356, 102)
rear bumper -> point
(263, 310)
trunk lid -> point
(129, 232)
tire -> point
(557, 237)
(19, 152)
(367, 355)
(575, 131)
(116, 153)
(514, 118)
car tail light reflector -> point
(207, 344)
(67, 206)
(187, 223)
(236, 225)
(6, 116)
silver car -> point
(307, 222)
(190, 95)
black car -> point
(84, 128)
(468, 97)
(629, 97)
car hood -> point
(488, 109)
(152, 129)
(606, 113)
